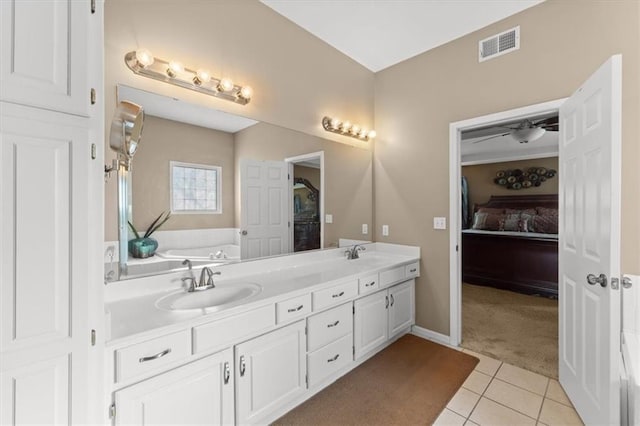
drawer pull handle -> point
(386, 304)
(227, 373)
(156, 356)
(412, 270)
(392, 300)
(295, 309)
(339, 294)
(242, 366)
(334, 358)
(334, 324)
(370, 284)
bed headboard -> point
(520, 202)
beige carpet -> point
(408, 383)
(515, 328)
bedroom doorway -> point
(508, 311)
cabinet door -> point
(401, 307)
(370, 322)
(197, 393)
(45, 280)
(44, 54)
(270, 372)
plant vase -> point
(141, 248)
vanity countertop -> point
(131, 308)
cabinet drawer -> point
(334, 295)
(142, 357)
(294, 308)
(392, 276)
(328, 326)
(226, 331)
(368, 283)
(328, 360)
(412, 270)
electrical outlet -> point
(365, 229)
(328, 218)
(439, 223)
(385, 230)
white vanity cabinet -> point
(270, 373)
(381, 316)
(201, 392)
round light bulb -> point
(335, 123)
(225, 85)
(174, 68)
(346, 126)
(355, 129)
(202, 76)
(246, 92)
(363, 133)
(144, 57)
(372, 134)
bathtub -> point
(225, 252)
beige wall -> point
(562, 44)
(167, 140)
(297, 78)
(348, 174)
(481, 186)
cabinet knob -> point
(392, 300)
(242, 366)
(227, 373)
(386, 299)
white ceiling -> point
(185, 112)
(381, 33)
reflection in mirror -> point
(238, 189)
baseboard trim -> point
(434, 336)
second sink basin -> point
(222, 294)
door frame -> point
(301, 159)
(455, 231)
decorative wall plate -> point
(523, 179)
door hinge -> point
(289, 224)
(456, 247)
(288, 176)
(93, 151)
(93, 96)
(354, 350)
(112, 411)
(305, 330)
(353, 310)
(93, 337)
(306, 380)
(93, 6)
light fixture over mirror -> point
(142, 62)
(345, 128)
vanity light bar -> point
(142, 62)
(345, 128)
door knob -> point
(626, 282)
(601, 279)
(243, 232)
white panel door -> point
(264, 216)
(44, 49)
(270, 372)
(44, 290)
(370, 322)
(401, 307)
(198, 393)
(590, 141)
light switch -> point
(385, 230)
(365, 229)
(328, 218)
(439, 223)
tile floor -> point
(498, 393)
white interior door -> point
(264, 214)
(590, 126)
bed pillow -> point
(546, 224)
(515, 222)
(487, 221)
(521, 211)
(546, 211)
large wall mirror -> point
(237, 189)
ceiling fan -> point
(528, 130)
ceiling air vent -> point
(499, 44)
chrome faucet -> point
(352, 253)
(206, 278)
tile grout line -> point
(543, 398)
(483, 392)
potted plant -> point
(143, 247)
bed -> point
(519, 258)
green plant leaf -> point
(155, 225)
(133, 229)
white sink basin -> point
(211, 299)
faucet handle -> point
(210, 278)
(191, 282)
